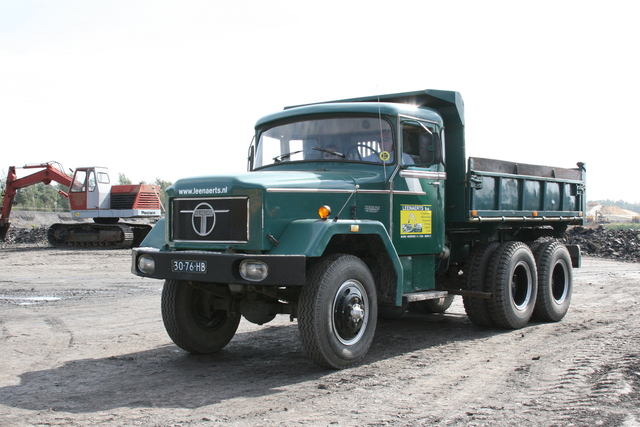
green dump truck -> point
(360, 208)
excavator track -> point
(116, 236)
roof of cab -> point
(430, 104)
(368, 108)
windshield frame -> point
(324, 138)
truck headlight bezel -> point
(253, 270)
(146, 264)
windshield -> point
(361, 139)
(79, 181)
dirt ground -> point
(82, 343)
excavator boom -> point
(47, 174)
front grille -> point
(122, 201)
(215, 220)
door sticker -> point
(415, 221)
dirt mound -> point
(614, 210)
(32, 235)
(30, 227)
(607, 243)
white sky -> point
(161, 89)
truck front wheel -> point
(194, 318)
(338, 311)
(514, 284)
(555, 281)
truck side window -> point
(421, 143)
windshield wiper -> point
(281, 157)
(335, 153)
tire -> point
(338, 311)
(514, 282)
(477, 309)
(191, 320)
(555, 281)
(438, 305)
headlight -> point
(253, 270)
(146, 264)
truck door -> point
(418, 191)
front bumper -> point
(221, 268)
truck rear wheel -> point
(338, 311)
(475, 280)
(192, 320)
(555, 281)
(514, 283)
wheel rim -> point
(521, 290)
(350, 312)
(559, 282)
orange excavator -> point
(91, 195)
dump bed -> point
(501, 191)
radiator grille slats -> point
(215, 220)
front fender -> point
(155, 238)
(310, 237)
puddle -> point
(28, 300)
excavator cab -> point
(90, 189)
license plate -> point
(184, 266)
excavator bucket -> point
(4, 227)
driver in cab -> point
(387, 153)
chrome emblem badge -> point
(203, 218)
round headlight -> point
(146, 264)
(253, 270)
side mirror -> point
(430, 148)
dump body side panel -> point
(514, 192)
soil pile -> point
(607, 243)
(615, 210)
(31, 235)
